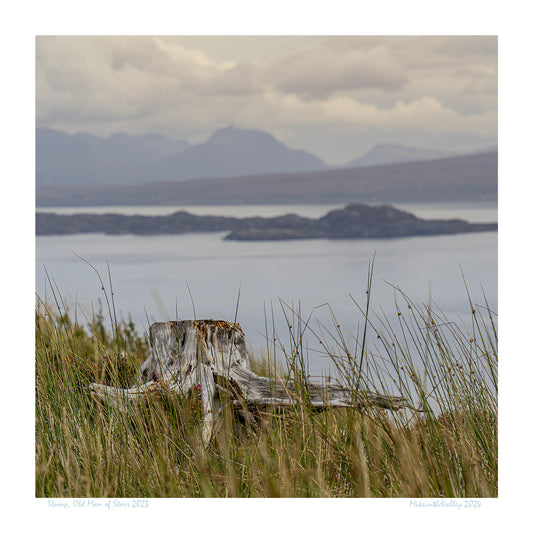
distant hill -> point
(455, 179)
(81, 158)
(122, 159)
(234, 152)
(385, 154)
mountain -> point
(384, 154)
(470, 178)
(81, 158)
(235, 152)
(127, 159)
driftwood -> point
(211, 357)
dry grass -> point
(447, 449)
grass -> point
(446, 447)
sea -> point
(310, 293)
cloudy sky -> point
(333, 96)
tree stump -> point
(211, 356)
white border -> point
(23, 20)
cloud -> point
(113, 78)
(420, 114)
(320, 72)
(182, 89)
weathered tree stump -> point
(211, 356)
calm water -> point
(152, 275)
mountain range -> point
(469, 178)
(82, 158)
(122, 159)
(384, 154)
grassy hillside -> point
(448, 448)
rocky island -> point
(355, 221)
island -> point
(355, 221)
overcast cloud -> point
(335, 97)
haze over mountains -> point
(245, 166)
(384, 154)
(82, 158)
(127, 159)
(123, 159)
